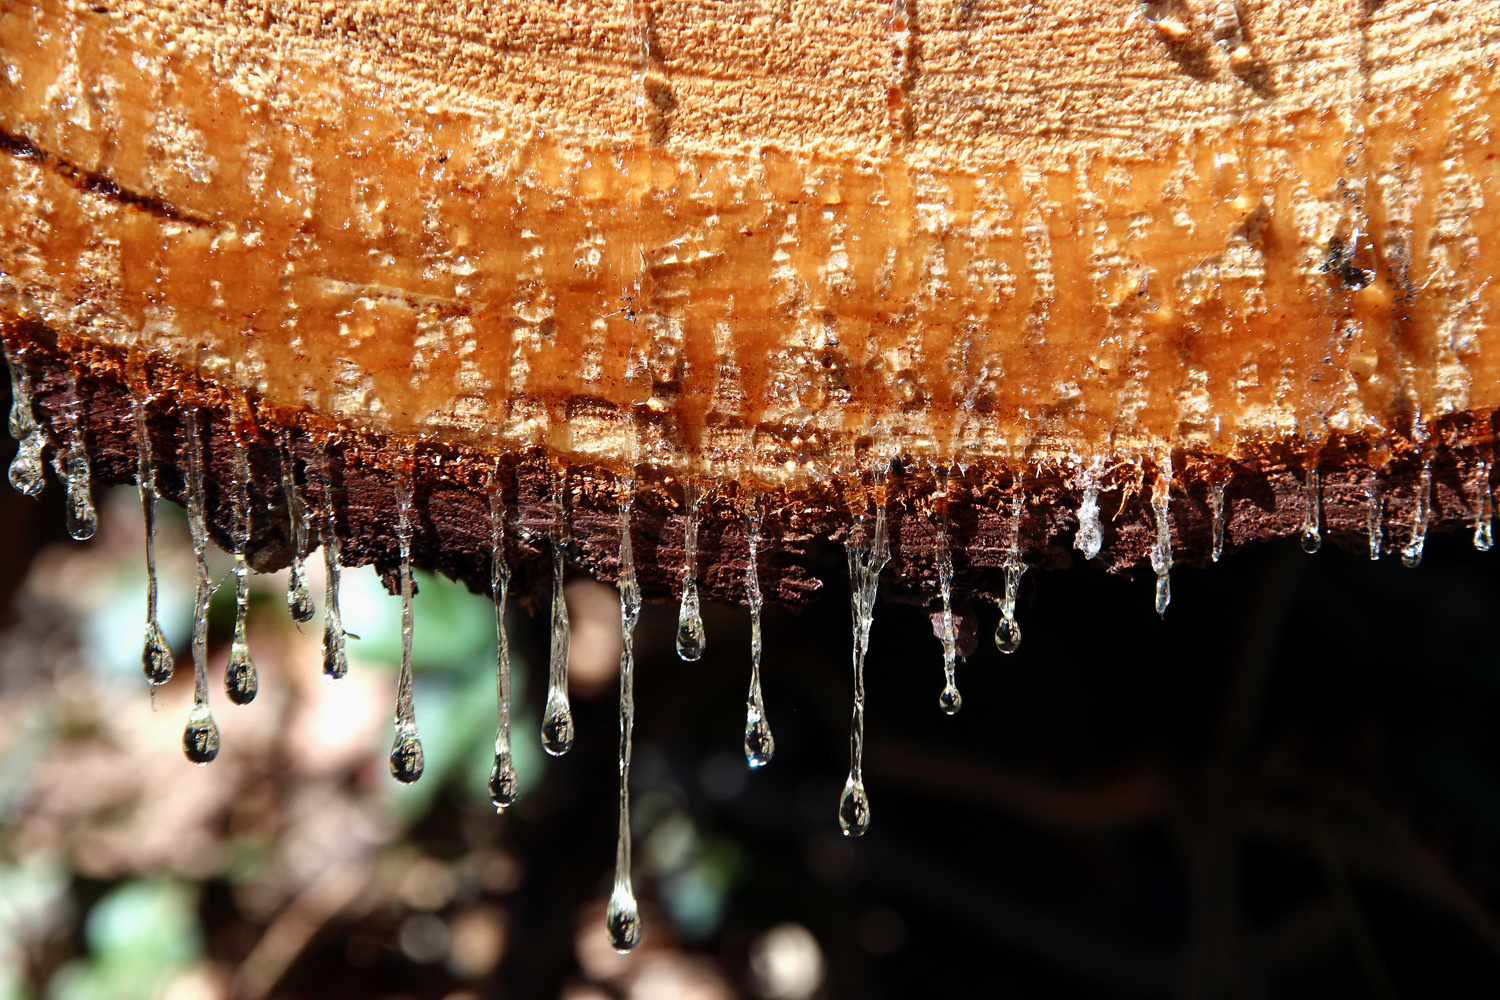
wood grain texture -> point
(775, 245)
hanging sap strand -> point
(1090, 537)
(1008, 632)
(950, 701)
(690, 637)
(557, 715)
(200, 740)
(72, 464)
(1216, 511)
(866, 560)
(1483, 531)
(760, 745)
(156, 655)
(1311, 537)
(1411, 553)
(26, 469)
(240, 680)
(503, 786)
(1161, 551)
(622, 919)
(335, 662)
(406, 752)
(1374, 515)
(299, 602)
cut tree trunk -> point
(800, 255)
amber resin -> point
(772, 248)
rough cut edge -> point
(1264, 494)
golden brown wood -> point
(770, 243)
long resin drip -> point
(503, 784)
(760, 745)
(335, 662)
(867, 557)
(299, 602)
(690, 637)
(622, 919)
(1161, 551)
(950, 700)
(557, 715)
(200, 740)
(406, 752)
(1008, 632)
(156, 655)
(240, 680)
(72, 464)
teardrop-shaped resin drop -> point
(760, 745)
(83, 519)
(240, 679)
(200, 740)
(26, 469)
(156, 656)
(1008, 636)
(335, 664)
(1312, 540)
(950, 701)
(503, 786)
(622, 920)
(407, 761)
(557, 727)
(299, 600)
(690, 635)
(854, 808)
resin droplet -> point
(854, 808)
(622, 919)
(760, 745)
(1374, 516)
(1161, 551)
(1312, 498)
(690, 637)
(503, 788)
(866, 560)
(406, 752)
(1090, 537)
(557, 715)
(1411, 553)
(407, 761)
(299, 602)
(73, 461)
(950, 700)
(1008, 635)
(240, 681)
(200, 741)
(1216, 509)
(156, 655)
(27, 468)
(335, 662)
(1484, 538)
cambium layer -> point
(1124, 261)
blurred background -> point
(1288, 788)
